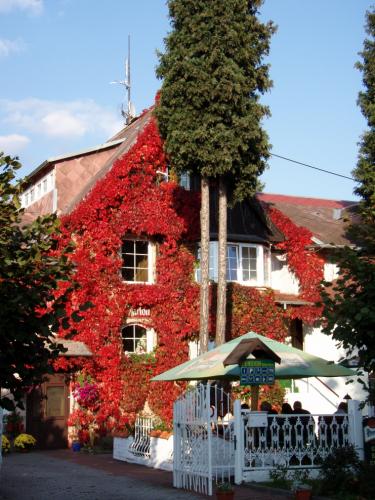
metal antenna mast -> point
(128, 111)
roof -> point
(74, 348)
(83, 152)
(290, 299)
(328, 220)
(126, 137)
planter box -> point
(161, 452)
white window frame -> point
(151, 258)
(36, 191)
(150, 338)
(263, 263)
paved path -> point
(64, 475)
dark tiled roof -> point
(129, 134)
(326, 219)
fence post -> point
(239, 444)
(356, 427)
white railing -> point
(293, 441)
(140, 447)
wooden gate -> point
(47, 413)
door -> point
(47, 413)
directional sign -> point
(257, 372)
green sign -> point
(257, 372)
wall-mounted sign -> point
(257, 372)
(141, 312)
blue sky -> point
(57, 58)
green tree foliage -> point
(30, 272)
(349, 306)
(209, 112)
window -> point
(185, 180)
(36, 191)
(137, 261)
(137, 339)
(134, 339)
(246, 263)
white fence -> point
(210, 444)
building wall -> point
(282, 279)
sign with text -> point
(257, 372)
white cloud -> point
(8, 47)
(71, 119)
(33, 6)
(12, 144)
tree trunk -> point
(204, 264)
(221, 316)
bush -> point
(340, 472)
(366, 482)
(5, 444)
(24, 442)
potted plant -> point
(224, 491)
(5, 445)
(24, 442)
(302, 491)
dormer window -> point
(36, 191)
(137, 261)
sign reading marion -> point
(140, 312)
(257, 372)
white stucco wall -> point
(281, 277)
(330, 271)
(322, 395)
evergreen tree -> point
(209, 112)
(349, 306)
(30, 272)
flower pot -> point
(225, 495)
(76, 446)
(303, 494)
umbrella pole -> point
(254, 397)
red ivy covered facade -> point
(130, 201)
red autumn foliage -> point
(130, 200)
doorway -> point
(47, 412)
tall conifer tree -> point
(349, 310)
(209, 112)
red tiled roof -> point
(302, 201)
(326, 219)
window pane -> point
(128, 246)
(127, 273)
(55, 402)
(128, 345)
(141, 247)
(249, 263)
(232, 262)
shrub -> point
(24, 442)
(5, 444)
(340, 472)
